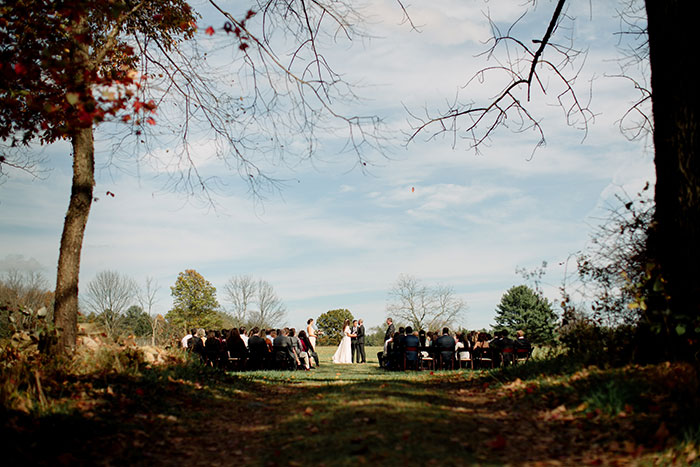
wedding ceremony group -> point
(404, 348)
(257, 349)
(407, 348)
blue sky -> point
(334, 236)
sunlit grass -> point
(354, 413)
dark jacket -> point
(361, 334)
(236, 347)
(284, 344)
(258, 347)
(389, 332)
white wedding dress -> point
(344, 352)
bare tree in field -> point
(241, 293)
(25, 301)
(422, 306)
(108, 296)
(146, 296)
(271, 311)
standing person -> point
(361, 341)
(390, 330)
(354, 355)
(311, 332)
(389, 335)
(344, 352)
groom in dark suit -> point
(361, 342)
(353, 342)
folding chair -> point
(446, 359)
(484, 357)
(411, 356)
(426, 362)
(522, 354)
(507, 356)
(464, 357)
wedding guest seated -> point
(270, 337)
(196, 344)
(244, 336)
(257, 349)
(237, 349)
(423, 338)
(521, 342)
(393, 353)
(410, 346)
(187, 338)
(504, 346)
(302, 356)
(283, 351)
(212, 349)
(463, 347)
(309, 349)
(445, 345)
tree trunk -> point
(66, 304)
(675, 236)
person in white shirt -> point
(187, 337)
(311, 332)
(242, 331)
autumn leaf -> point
(72, 97)
(210, 31)
(499, 442)
(20, 69)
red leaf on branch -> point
(150, 121)
(20, 69)
(210, 31)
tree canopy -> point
(194, 302)
(424, 307)
(330, 324)
(521, 308)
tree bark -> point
(66, 302)
(675, 236)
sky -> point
(337, 236)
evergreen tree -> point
(136, 321)
(523, 308)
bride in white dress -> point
(344, 352)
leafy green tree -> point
(137, 321)
(523, 308)
(194, 302)
(375, 336)
(331, 324)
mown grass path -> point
(360, 414)
(342, 415)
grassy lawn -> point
(545, 412)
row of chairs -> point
(278, 359)
(479, 358)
